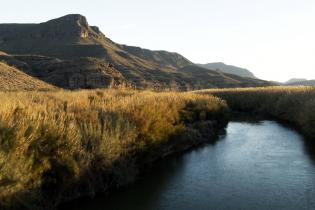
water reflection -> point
(309, 147)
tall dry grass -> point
(295, 105)
(56, 145)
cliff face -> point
(70, 28)
(70, 53)
(66, 37)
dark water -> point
(255, 166)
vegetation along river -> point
(254, 166)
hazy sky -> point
(275, 39)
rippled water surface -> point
(255, 166)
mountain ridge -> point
(229, 69)
(295, 80)
(71, 40)
(300, 82)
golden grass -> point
(51, 141)
(53, 144)
(295, 105)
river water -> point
(254, 166)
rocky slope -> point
(69, 53)
(13, 79)
(70, 74)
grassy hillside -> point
(295, 105)
(13, 79)
(56, 146)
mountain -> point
(222, 67)
(219, 79)
(69, 53)
(302, 83)
(13, 79)
(295, 80)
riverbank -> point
(62, 145)
(292, 105)
(255, 165)
(58, 146)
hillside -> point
(13, 79)
(70, 74)
(69, 53)
(228, 69)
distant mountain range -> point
(300, 82)
(222, 67)
(294, 80)
(69, 53)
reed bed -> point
(295, 105)
(55, 146)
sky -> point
(275, 39)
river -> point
(254, 166)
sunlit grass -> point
(51, 141)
